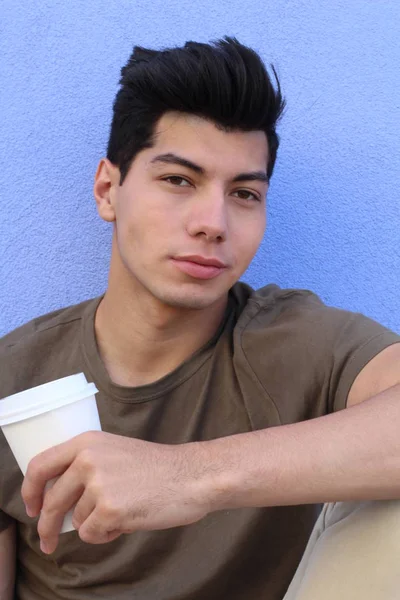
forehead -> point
(201, 141)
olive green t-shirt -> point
(279, 356)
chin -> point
(190, 304)
(198, 300)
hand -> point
(119, 485)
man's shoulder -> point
(288, 313)
(50, 322)
(273, 295)
(261, 307)
(298, 346)
(47, 347)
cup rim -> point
(10, 414)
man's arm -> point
(350, 455)
(380, 374)
(130, 484)
(7, 563)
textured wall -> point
(333, 209)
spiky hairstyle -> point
(224, 82)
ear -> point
(106, 183)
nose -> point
(208, 217)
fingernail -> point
(44, 547)
(29, 511)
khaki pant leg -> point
(353, 554)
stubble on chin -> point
(189, 301)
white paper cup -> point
(47, 415)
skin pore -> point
(198, 194)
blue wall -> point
(334, 217)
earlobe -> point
(105, 183)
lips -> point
(199, 267)
(202, 260)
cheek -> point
(146, 232)
(138, 218)
(248, 236)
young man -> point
(221, 407)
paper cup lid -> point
(43, 398)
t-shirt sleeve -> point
(5, 521)
(306, 355)
(10, 474)
(357, 343)
(10, 482)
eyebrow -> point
(174, 159)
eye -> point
(177, 181)
(247, 196)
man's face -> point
(191, 212)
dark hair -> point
(224, 82)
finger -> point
(92, 531)
(42, 468)
(84, 507)
(58, 500)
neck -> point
(141, 340)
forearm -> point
(7, 563)
(350, 455)
(353, 454)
